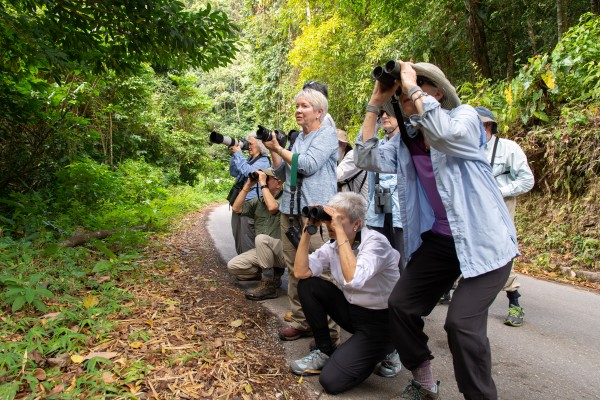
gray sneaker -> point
(515, 316)
(312, 364)
(414, 391)
(390, 366)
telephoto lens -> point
(217, 138)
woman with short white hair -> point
(364, 268)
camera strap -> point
(293, 183)
(400, 119)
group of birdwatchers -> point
(374, 237)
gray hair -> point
(352, 203)
(263, 150)
(315, 99)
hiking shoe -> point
(515, 316)
(390, 366)
(445, 299)
(266, 290)
(291, 333)
(312, 345)
(414, 391)
(312, 364)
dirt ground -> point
(206, 340)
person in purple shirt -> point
(454, 220)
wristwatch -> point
(264, 186)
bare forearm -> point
(301, 270)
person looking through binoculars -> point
(364, 268)
(239, 167)
(454, 221)
(313, 159)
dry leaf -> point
(103, 354)
(62, 360)
(240, 335)
(58, 389)
(108, 378)
(39, 374)
(103, 279)
(217, 343)
(237, 323)
(301, 379)
(90, 301)
(136, 345)
(213, 289)
(77, 359)
(72, 386)
(248, 388)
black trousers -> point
(430, 272)
(355, 359)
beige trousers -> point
(289, 254)
(268, 253)
(512, 283)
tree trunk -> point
(561, 17)
(531, 34)
(595, 6)
(478, 38)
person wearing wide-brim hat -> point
(454, 222)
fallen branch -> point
(81, 238)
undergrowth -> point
(57, 303)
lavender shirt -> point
(422, 161)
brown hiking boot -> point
(267, 289)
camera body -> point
(382, 200)
(387, 74)
(265, 135)
(293, 235)
(227, 141)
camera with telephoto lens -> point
(265, 135)
(382, 200)
(387, 74)
(228, 141)
(293, 235)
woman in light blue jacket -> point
(454, 221)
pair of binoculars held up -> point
(387, 74)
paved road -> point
(554, 355)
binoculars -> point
(316, 213)
(382, 200)
(387, 74)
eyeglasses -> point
(421, 80)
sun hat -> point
(342, 136)
(485, 115)
(433, 73)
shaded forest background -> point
(106, 109)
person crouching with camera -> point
(267, 253)
(364, 267)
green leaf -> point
(18, 303)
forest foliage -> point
(106, 108)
